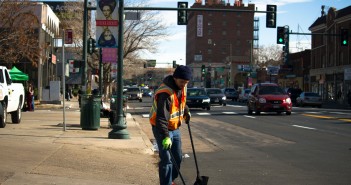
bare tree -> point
(19, 27)
(269, 55)
(139, 36)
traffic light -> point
(280, 35)
(271, 16)
(91, 45)
(174, 64)
(203, 70)
(182, 14)
(286, 35)
(344, 37)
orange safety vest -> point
(176, 112)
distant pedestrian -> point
(30, 97)
(80, 92)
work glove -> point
(187, 117)
(166, 143)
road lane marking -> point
(347, 120)
(328, 117)
(299, 126)
(203, 113)
(229, 113)
(317, 116)
(249, 116)
(235, 105)
(347, 113)
(313, 112)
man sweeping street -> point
(166, 115)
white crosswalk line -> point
(203, 113)
(249, 116)
(235, 105)
(145, 115)
(229, 113)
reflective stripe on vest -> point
(176, 115)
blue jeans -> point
(166, 171)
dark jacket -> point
(163, 106)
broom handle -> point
(192, 146)
(176, 166)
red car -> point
(268, 97)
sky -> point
(299, 15)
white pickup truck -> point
(11, 98)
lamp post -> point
(119, 126)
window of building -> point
(210, 14)
(238, 14)
(209, 51)
(209, 23)
(224, 32)
(238, 33)
(224, 23)
(224, 50)
(209, 32)
(209, 41)
(238, 43)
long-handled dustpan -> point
(200, 180)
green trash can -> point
(90, 112)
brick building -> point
(220, 40)
(330, 73)
(295, 74)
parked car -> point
(12, 98)
(147, 93)
(243, 95)
(268, 97)
(231, 93)
(216, 96)
(197, 98)
(309, 98)
(134, 93)
(294, 93)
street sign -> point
(68, 36)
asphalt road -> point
(311, 146)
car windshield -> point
(133, 90)
(214, 91)
(230, 90)
(312, 94)
(271, 90)
(196, 92)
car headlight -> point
(224, 98)
(206, 100)
(288, 100)
(262, 100)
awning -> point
(17, 75)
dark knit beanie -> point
(182, 72)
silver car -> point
(309, 98)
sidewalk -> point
(334, 105)
(38, 151)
